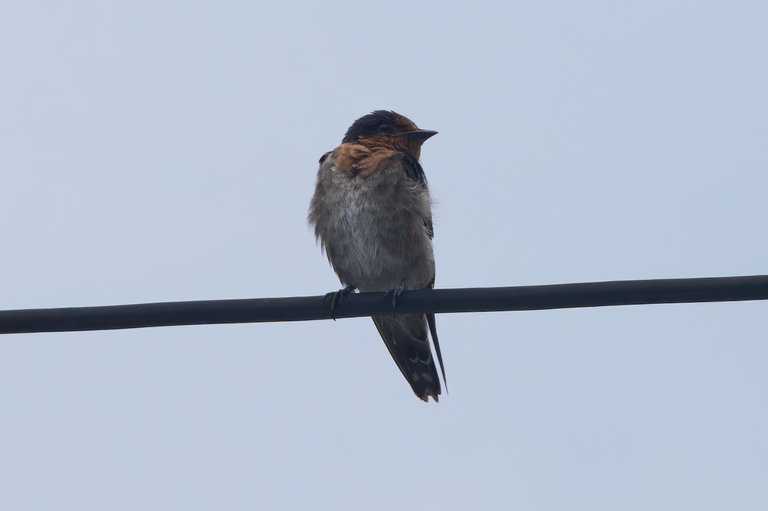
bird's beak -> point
(420, 135)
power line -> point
(557, 296)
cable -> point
(558, 296)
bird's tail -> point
(406, 339)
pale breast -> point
(374, 229)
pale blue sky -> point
(167, 150)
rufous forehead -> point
(405, 123)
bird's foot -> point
(336, 297)
(395, 292)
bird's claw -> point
(395, 292)
(337, 296)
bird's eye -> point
(386, 128)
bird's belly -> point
(378, 246)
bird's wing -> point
(415, 171)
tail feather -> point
(433, 333)
(406, 339)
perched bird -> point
(372, 214)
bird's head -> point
(384, 128)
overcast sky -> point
(154, 151)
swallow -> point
(372, 214)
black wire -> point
(558, 296)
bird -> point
(372, 215)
